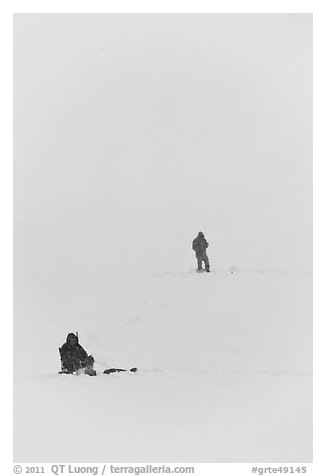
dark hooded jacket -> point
(199, 244)
(72, 356)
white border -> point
(6, 202)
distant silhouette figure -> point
(199, 245)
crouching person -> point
(74, 359)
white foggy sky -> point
(134, 131)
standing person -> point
(199, 245)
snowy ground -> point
(224, 368)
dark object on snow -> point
(75, 358)
(199, 245)
(112, 371)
